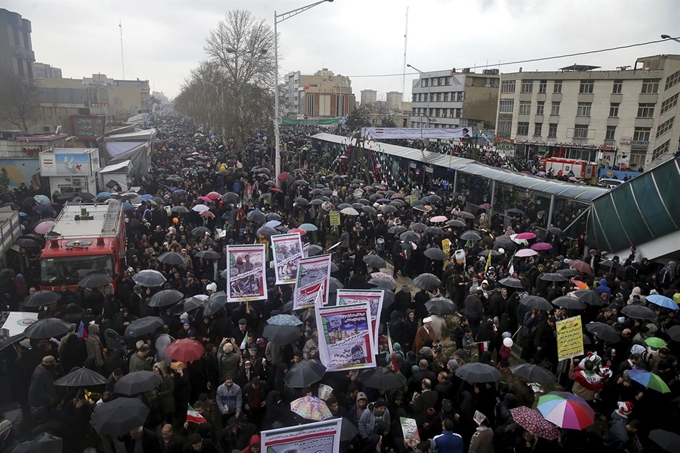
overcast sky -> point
(163, 39)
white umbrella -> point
(200, 208)
(349, 211)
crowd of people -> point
(238, 388)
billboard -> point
(65, 164)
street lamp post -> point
(671, 38)
(427, 108)
(278, 18)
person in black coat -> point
(199, 444)
(146, 437)
(410, 327)
(402, 300)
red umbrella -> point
(213, 196)
(297, 230)
(276, 189)
(581, 266)
(185, 350)
(207, 214)
(283, 176)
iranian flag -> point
(194, 416)
(395, 366)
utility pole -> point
(122, 56)
(403, 76)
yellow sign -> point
(334, 218)
(569, 338)
(446, 246)
(413, 199)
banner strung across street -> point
(313, 276)
(569, 338)
(345, 337)
(374, 299)
(287, 250)
(319, 437)
(415, 133)
(246, 273)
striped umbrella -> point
(649, 380)
(566, 410)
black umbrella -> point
(348, 430)
(604, 332)
(82, 377)
(381, 379)
(281, 334)
(172, 258)
(375, 261)
(410, 236)
(388, 298)
(120, 416)
(301, 201)
(674, 333)
(427, 282)
(94, 281)
(199, 232)
(455, 223)
(28, 242)
(434, 230)
(304, 373)
(589, 297)
(212, 306)
(554, 230)
(568, 272)
(149, 278)
(417, 226)
(45, 329)
(165, 298)
(396, 229)
(314, 250)
(638, 312)
(478, 372)
(470, 235)
(569, 302)
(504, 241)
(536, 302)
(533, 373)
(6, 342)
(137, 382)
(511, 283)
(230, 197)
(267, 231)
(382, 283)
(43, 442)
(179, 210)
(40, 298)
(143, 326)
(485, 253)
(611, 264)
(667, 440)
(435, 253)
(256, 217)
(272, 216)
(553, 277)
(388, 208)
(188, 304)
(441, 306)
(334, 285)
(208, 255)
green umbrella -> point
(649, 380)
(656, 342)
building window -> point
(583, 109)
(618, 86)
(645, 110)
(669, 103)
(672, 80)
(552, 130)
(537, 129)
(650, 87)
(586, 87)
(505, 128)
(661, 150)
(637, 158)
(440, 97)
(461, 96)
(522, 128)
(614, 110)
(540, 108)
(542, 86)
(508, 86)
(524, 107)
(448, 81)
(642, 133)
(558, 86)
(527, 86)
(507, 105)
(581, 131)
(611, 133)
(665, 127)
(424, 83)
(555, 108)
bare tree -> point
(19, 105)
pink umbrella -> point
(43, 227)
(525, 236)
(438, 219)
(485, 206)
(213, 196)
(207, 214)
(205, 199)
(533, 421)
(525, 253)
(541, 246)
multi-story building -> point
(323, 94)
(449, 99)
(368, 97)
(622, 116)
(127, 97)
(45, 71)
(393, 100)
(16, 50)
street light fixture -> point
(671, 38)
(278, 18)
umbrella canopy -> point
(94, 281)
(383, 284)
(199, 232)
(541, 246)
(172, 258)
(208, 255)
(213, 196)
(533, 421)
(435, 253)
(314, 250)
(349, 211)
(304, 373)
(383, 276)
(311, 408)
(569, 302)
(674, 333)
(267, 231)
(200, 208)
(504, 241)
(656, 342)
(396, 229)
(165, 298)
(120, 416)
(281, 334)
(478, 372)
(179, 210)
(441, 306)
(40, 298)
(149, 278)
(434, 230)
(568, 272)
(589, 297)
(525, 253)
(143, 326)
(256, 217)
(82, 377)
(185, 350)
(638, 312)
(381, 378)
(427, 281)
(533, 373)
(418, 226)
(230, 197)
(455, 223)
(527, 235)
(667, 440)
(190, 303)
(137, 382)
(375, 261)
(581, 266)
(43, 227)
(566, 410)
(410, 236)
(536, 302)
(470, 235)
(603, 331)
(553, 277)
(308, 227)
(439, 219)
(511, 282)
(465, 215)
(45, 329)
(284, 320)
(662, 301)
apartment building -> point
(45, 71)
(368, 97)
(321, 95)
(16, 49)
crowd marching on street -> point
(159, 358)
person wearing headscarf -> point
(94, 346)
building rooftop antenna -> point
(403, 77)
(122, 55)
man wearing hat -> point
(424, 333)
(372, 415)
(8, 436)
(42, 387)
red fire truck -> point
(582, 170)
(84, 239)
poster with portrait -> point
(345, 337)
(246, 273)
(313, 277)
(374, 299)
(287, 251)
(319, 437)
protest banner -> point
(374, 299)
(569, 338)
(334, 218)
(305, 250)
(409, 429)
(325, 391)
(246, 273)
(287, 251)
(345, 337)
(313, 276)
(319, 437)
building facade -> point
(368, 97)
(16, 49)
(625, 116)
(322, 95)
(393, 99)
(45, 71)
(449, 99)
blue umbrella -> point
(42, 199)
(127, 207)
(103, 194)
(43, 208)
(272, 223)
(179, 192)
(308, 227)
(146, 197)
(662, 301)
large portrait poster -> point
(345, 337)
(374, 299)
(313, 277)
(287, 250)
(319, 437)
(246, 273)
